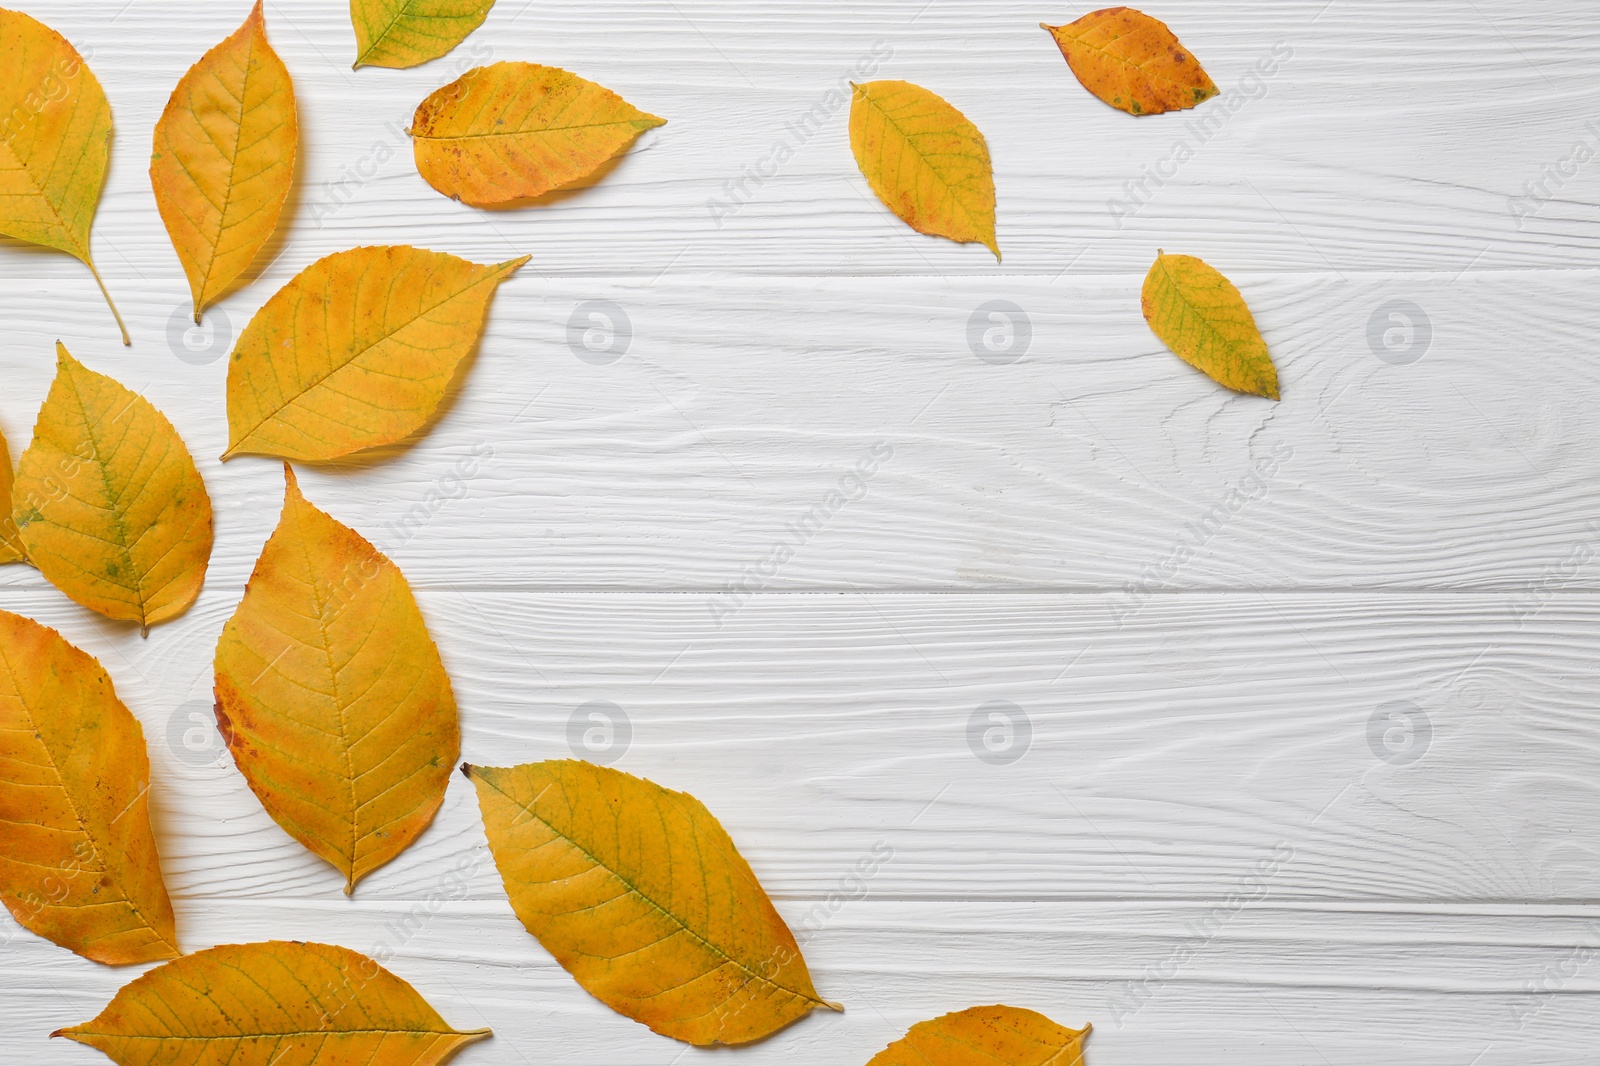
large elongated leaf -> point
(1132, 61)
(1201, 316)
(641, 895)
(108, 501)
(78, 861)
(224, 157)
(10, 541)
(510, 131)
(986, 1036)
(276, 1003)
(356, 351)
(55, 126)
(403, 33)
(925, 161)
(332, 696)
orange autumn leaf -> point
(1132, 61)
(224, 157)
(356, 351)
(276, 1003)
(639, 893)
(986, 1036)
(108, 502)
(512, 131)
(331, 694)
(1202, 317)
(78, 862)
(10, 541)
(925, 161)
(54, 142)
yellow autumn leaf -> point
(223, 158)
(404, 33)
(986, 1036)
(277, 1003)
(108, 501)
(1132, 61)
(10, 542)
(355, 352)
(331, 694)
(78, 862)
(639, 893)
(925, 161)
(1200, 315)
(512, 131)
(54, 140)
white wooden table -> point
(1326, 792)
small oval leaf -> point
(10, 541)
(331, 694)
(925, 161)
(78, 862)
(54, 141)
(276, 1003)
(223, 158)
(108, 501)
(1201, 316)
(355, 352)
(991, 1036)
(1132, 61)
(639, 893)
(404, 33)
(512, 131)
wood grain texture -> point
(1309, 687)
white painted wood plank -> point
(741, 406)
(1251, 983)
(1421, 748)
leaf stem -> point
(114, 312)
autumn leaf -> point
(986, 1036)
(639, 893)
(356, 351)
(54, 141)
(404, 33)
(511, 131)
(276, 1003)
(1201, 316)
(331, 694)
(224, 157)
(1132, 61)
(10, 541)
(78, 862)
(925, 161)
(108, 501)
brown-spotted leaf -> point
(639, 893)
(356, 351)
(1201, 316)
(108, 502)
(511, 131)
(331, 694)
(224, 157)
(278, 1003)
(925, 161)
(78, 862)
(987, 1036)
(55, 131)
(1132, 61)
(11, 550)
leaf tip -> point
(831, 1005)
